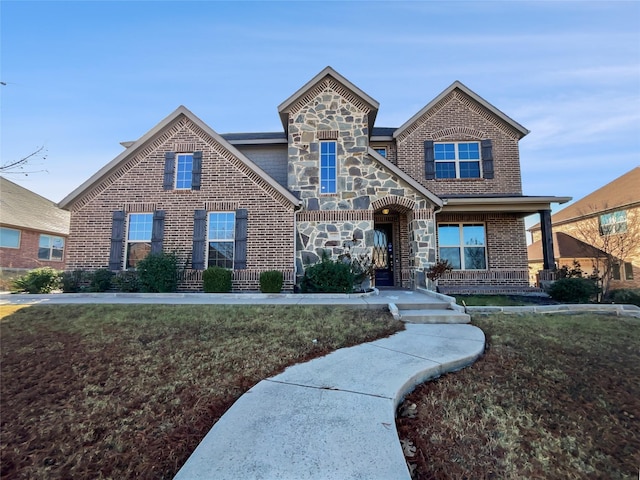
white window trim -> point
(220, 240)
(461, 245)
(51, 241)
(320, 177)
(386, 151)
(457, 161)
(19, 237)
(127, 241)
(177, 169)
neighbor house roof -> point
(284, 107)
(467, 91)
(623, 192)
(150, 135)
(22, 208)
(564, 246)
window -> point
(51, 248)
(328, 167)
(628, 271)
(220, 239)
(457, 160)
(463, 245)
(615, 271)
(612, 223)
(184, 171)
(382, 151)
(9, 238)
(138, 238)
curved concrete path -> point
(333, 417)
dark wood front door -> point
(383, 254)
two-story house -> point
(601, 231)
(446, 184)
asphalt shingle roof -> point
(20, 207)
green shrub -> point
(39, 280)
(126, 281)
(74, 281)
(328, 276)
(628, 296)
(573, 290)
(216, 280)
(271, 281)
(158, 273)
(101, 280)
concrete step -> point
(433, 316)
(437, 305)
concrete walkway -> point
(333, 417)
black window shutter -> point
(117, 238)
(199, 239)
(196, 172)
(169, 169)
(487, 158)
(157, 231)
(429, 161)
(240, 255)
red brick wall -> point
(458, 118)
(26, 257)
(226, 185)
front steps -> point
(437, 312)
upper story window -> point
(51, 248)
(9, 238)
(612, 223)
(221, 239)
(463, 245)
(457, 160)
(184, 170)
(328, 167)
(138, 238)
(382, 151)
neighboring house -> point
(446, 184)
(605, 228)
(33, 230)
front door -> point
(383, 254)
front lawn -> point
(554, 396)
(116, 392)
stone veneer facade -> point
(329, 222)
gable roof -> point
(23, 208)
(284, 107)
(564, 246)
(405, 177)
(623, 192)
(457, 85)
(150, 135)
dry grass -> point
(553, 397)
(114, 392)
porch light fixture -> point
(385, 211)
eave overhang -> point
(524, 205)
(284, 107)
(406, 178)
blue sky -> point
(82, 76)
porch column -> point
(547, 240)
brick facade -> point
(291, 223)
(26, 257)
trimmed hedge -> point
(271, 281)
(216, 280)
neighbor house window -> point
(184, 170)
(628, 271)
(51, 248)
(463, 245)
(382, 151)
(138, 238)
(220, 239)
(457, 160)
(9, 238)
(328, 167)
(615, 222)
